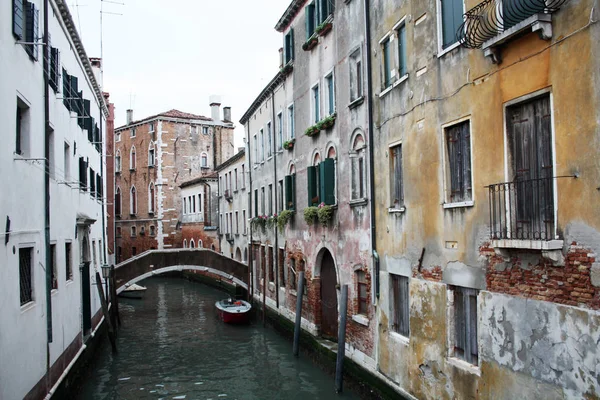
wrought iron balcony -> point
(522, 210)
(229, 238)
(492, 18)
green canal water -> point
(173, 346)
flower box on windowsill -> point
(289, 144)
(311, 43)
(287, 69)
(312, 131)
(324, 28)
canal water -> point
(173, 346)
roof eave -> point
(289, 15)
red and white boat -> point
(233, 311)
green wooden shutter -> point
(402, 50)
(293, 191)
(291, 43)
(66, 89)
(310, 20)
(18, 19)
(313, 194)
(452, 18)
(32, 20)
(327, 181)
(286, 40)
(73, 89)
(288, 192)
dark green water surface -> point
(172, 345)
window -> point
(94, 256)
(321, 183)
(117, 136)
(199, 202)
(358, 173)
(185, 243)
(53, 266)
(67, 162)
(22, 130)
(133, 201)
(151, 127)
(256, 202)
(118, 162)
(235, 174)
(54, 77)
(151, 198)
(68, 262)
(119, 232)
(133, 231)
(361, 292)
(290, 191)
(292, 275)
(118, 202)
(18, 19)
(92, 183)
(279, 131)
(329, 85)
(133, 251)
(356, 76)
(192, 244)
(280, 196)
(465, 324)
(310, 20)
(458, 163)
(151, 159)
(243, 177)
(244, 220)
(262, 145)
(132, 159)
(291, 126)
(262, 200)
(271, 265)
(83, 174)
(152, 230)
(51, 155)
(396, 177)
(204, 160)
(388, 72)
(316, 104)
(205, 130)
(450, 18)
(401, 35)
(270, 199)
(26, 26)
(281, 262)
(400, 311)
(25, 274)
(288, 47)
(194, 130)
(193, 203)
(237, 223)
(325, 9)
(132, 132)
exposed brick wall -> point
(196, 231)
(358, 334)
(569, 284)
(428, 274)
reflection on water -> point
(173, 345)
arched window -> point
(151, 155)
(118, 161)
(199, 243)
(133, 201)
(132, 158)
(212, 247)
(185, 243)
(118, 202)
(204, 160)
(151, 197)
(192, 244)
(358, 171)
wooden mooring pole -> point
(341, 353)
(111, 332)
(113, 297)
(297, 325)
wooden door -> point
(329, 304)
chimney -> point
(280, 57)
(129, 116)
(97, 69)
(227, 114)
(215, 104)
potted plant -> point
(312, 130)
(271, 221)
(289, 144)
(324, 213)
(328, 122)
(284, 217)
(310, 43)
(259, 222)
(287, 69)
(324, 28)
(310, 214)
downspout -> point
(102, 202)
(251, 247)
(276, 187)
(48, 263)
(371, 148)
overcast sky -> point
(160, 55)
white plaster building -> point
(233, 203)
(52, 204)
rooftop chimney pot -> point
(215, 105)
(227, 114)
(129, 116)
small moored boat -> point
(134, 291)
(233, 311)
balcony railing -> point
(522, 210)
(491, 18)
(228, 195)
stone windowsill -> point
(400, 338)
(358, 202)
(468, 203)
(293, 292)
(465, 366)
(27, 306)
(396, 210)
(356, 102)
(528, 244)
(360, 319)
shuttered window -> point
(388, 76)
(82, 174)
(66, 89)
(18, 19)
(99, 187)
(465, 324)
(25, 274)
(458, 175)
(397, 177)
(310, 20)
(32, 24)
(362, 293)
(401, 33)
(54, 77)
(313, 190)
(288, 47)
(452, 18)
(290, 191)
(327, 181)
(92, 183)
(256, 202)
(400, 305)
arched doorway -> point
(329, 303)
(238, 254)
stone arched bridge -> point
(155, 262)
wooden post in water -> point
(111, 332)
(341, 353)
(113, 296)
(298, 323)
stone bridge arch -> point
(156, 262)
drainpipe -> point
(45, 67)
(371, 147)
(251, 247)
(276, 187)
